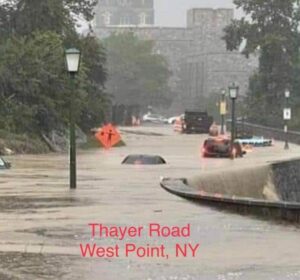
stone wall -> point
(213, 67)
(287, 180)
(197, 55)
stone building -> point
(125, 13)
(197, 55)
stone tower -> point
(198, 59)
(209, 66)
(125, 13)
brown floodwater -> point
(42, 222)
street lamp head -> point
(287, 93)
(73, 60)
(233, 91)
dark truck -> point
(196, 122)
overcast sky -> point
(173, 12)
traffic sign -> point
(108, 136)
(287, 114)
(223, 108)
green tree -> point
(35, 89)
(59, 16)
(97, 102)
(34, 85)
(269, 30)
(33, 82)
(136, 74)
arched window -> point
(125, 20)
(107, 18)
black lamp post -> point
(233, 94)
(286, 117)
(222, 110)
(73, 61)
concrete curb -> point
(273, 193)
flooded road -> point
(42, 222)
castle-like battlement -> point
(200, 17)
(124, 12)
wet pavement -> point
(42, 222)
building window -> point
(125, 20)
(106, 18)
(143, 19)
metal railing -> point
(266, 131)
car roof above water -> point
(217, 141)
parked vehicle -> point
(154, 118)
(4, 164)
(196, 122)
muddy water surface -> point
(42, 222)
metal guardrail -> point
(268, 132)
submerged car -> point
(144, 160)
(221, 147)
(4, 164)
(255, 141)
(154, 118)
